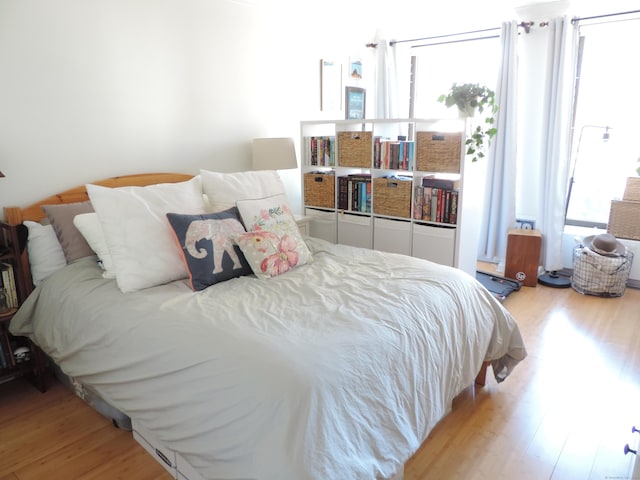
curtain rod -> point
(526, 25)
(578, 19)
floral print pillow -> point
(273, 244)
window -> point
(607, 121)
(444, 62)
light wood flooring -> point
(565, 413)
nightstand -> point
(19, 357)
(303, 224)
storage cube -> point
(319, 190)
(438, 151)
(355, 149)
(624, 219)
(392, 196)
(392, 235)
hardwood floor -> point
(565, 413)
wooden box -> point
(624, 219)
(355, 149)
(319, 190)
(392, 196)
(523, 256)
(438, 152)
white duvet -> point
(335, 370)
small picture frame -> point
(355, 102)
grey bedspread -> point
(338, 369)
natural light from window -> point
(439, 66)
(607, 97)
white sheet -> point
(336, 370)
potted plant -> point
(469, 98)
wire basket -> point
(600, 275)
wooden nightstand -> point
(19, 357)
(303, 224)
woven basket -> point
(624, 219)
(438, 152)
(319, 190)
(355, 149)
(632, 191)
(392, 196)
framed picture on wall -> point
(354, 100)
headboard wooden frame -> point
(34, 212)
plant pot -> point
(467, 111)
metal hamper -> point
(601, 275)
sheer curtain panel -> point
(499, 214)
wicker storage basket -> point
(319, 190)
(624, 219)
(355, 149)
(632, 191)
(392, 196)
(438, 152)
(601, 275)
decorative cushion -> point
(61, 217)
(44, 250)
(89, 226)
(224, 189)
(209, 251)
(137, 233)
(273, 244)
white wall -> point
(97, 88)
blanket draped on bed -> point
(336, 370)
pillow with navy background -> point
(208, 248)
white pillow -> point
(224, 189)
(91, 230)
(44, 250)
(138, 234)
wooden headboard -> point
(34, 212)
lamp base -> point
(554, 280)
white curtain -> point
(386, 80)
(556, 151)
(499, 214)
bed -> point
(335, 365)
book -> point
(9, 284)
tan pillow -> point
(61, 218)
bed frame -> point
(16, 215)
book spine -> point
(453, 218)
(10, 286)
(343, 193)
(418, 202)
(434, 204)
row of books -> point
(393, 154)
(436, 200)
(354, 193)
(322, 151)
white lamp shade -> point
(273, 154)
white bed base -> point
(174, 463)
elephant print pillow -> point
(208, 247)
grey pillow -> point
(61, 217)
